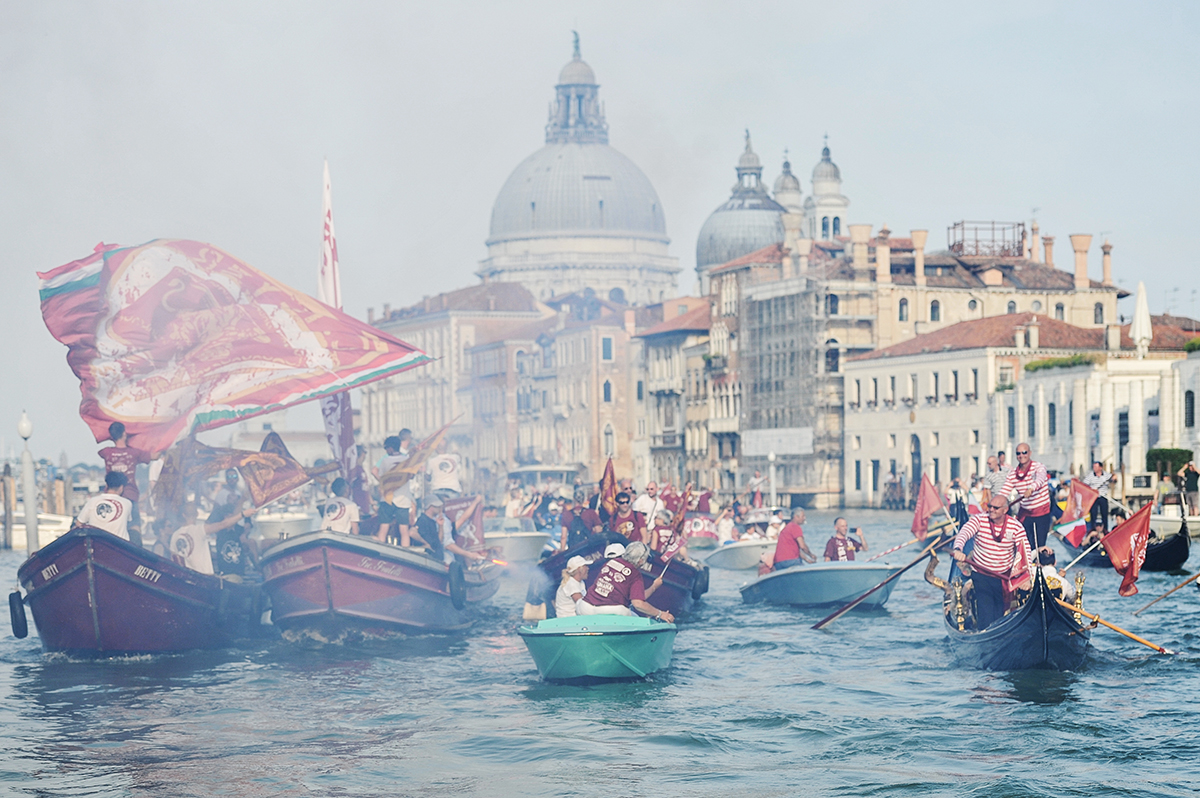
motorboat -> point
(823, 584)
(739, 555)
(599, 646)
(517, 539)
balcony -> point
(716, 364)
(717, 426)
(668, 440)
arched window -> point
(831, 356)
(825, 228)
(1060, 312)
(1012, 307)
(837, 225)
(972, 305)
(903, 310)
(935, 311)
(1098, 313)
(1052, 419)
(1031, 421)
(607, 391)
(1189, 409)
(831, 305)
(610, 441)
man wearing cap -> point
(627, 522)
(619, 586)
(437, 532)
(791, 549)
(572, 588)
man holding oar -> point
(1001, 558)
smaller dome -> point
(826, 169)
(787, 181)
(749, 159)
(577, 72)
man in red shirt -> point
(840, 547)
(121, 458)
(619, 586)
(791, 549)
(627, 522)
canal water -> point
(755, 703)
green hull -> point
(599, 646)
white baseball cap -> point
(576, 562)
(613, 550)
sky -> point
(210, 121)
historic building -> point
(578, 214)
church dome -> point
(786, 181)
(578, 72)
(826, 170)
(749, 220)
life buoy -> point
(16, 611)
(700, 586)
(458, 586)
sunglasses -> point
(1022, 453)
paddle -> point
(934, 546)
(1184, 583)
(1083, 554)
(1116, 628)
(936, 530)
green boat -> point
(599, 646)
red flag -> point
(1080, 498)
(928, 503)
(608, 490)
(1126, 547)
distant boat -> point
(95, 594)
(330, 583)
(517, 538)
(740, 555)
(823, 585)
(51, 526)
(599, 646)
(1163, 553)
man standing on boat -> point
(841, 546)
(791, 549)
(341, 514)
(1099, 481)
(108, 510)
(619, 586)
(1001, 553)
(397, 508)
(1029, 482)
(124, 459)
(627, 522)
(648, 505)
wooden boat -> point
(682, 587)
(93, 593)
(701, 529)
(599, 646)
(517, 539)
(330, 583)
(740, 555)
(823, 584)
(1163, 553)
(1039, 634)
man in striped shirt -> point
(1030, 483)
(1001, 553)
(1098, 481)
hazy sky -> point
(124, 122)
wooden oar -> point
(937, 530)
(1085, 553)
(936, 544)
(1115, 628)
(1184, 583)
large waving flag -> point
(173, 337)
(1073, 524)
(1126, 547)
(399, 476)
(928, 503)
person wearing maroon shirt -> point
(121, 458)
(790, 548)
(619, 586)
(841, 547)
(627, 522)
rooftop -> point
(482, 298)
(698, 319)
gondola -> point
(1162, 554)
(1039, 634)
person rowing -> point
(619, 587)
(1001, 557)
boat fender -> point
(16, 611)
(700, 586)
(458, 586)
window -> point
(1052, 419)
(875, 476)
(1036, 307)
(1060, 312)
(935, 311)
(1098, 313)
(1012, 307)
(892, 442)
(892, 388)
(858, 474)
(1012, 422)
(937, 471)
(934, 439)
(972, 305)
(1071, 417)
(1189, 409)
(831, 305)
(825, 228)
(610, 441)
(1031, 421)
(837, 225)
(954, 468)
(1006, 374)
(606, 349)
(954, 384)
(641, 390)
(974, 436)
(607, 391)
(831, 357)
(903, 310)
(856, 442)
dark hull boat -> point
(682, 586)
(94, 594)
(1162, 554)
(1039, 634)
(330, 583)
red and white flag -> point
(1073, 524)
(928, 503)
(1126, 547)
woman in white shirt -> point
(572, 588)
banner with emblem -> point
(467, 514)
(174, 336)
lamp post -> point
(771, 477)
(29, 487)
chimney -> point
(919, 237)
(1107, 250)
(370, 315)
(1037, 242)
(803, 250)
(425, 303)
(1048, 248)
(883, 256)
(1034, 330)
(491, 302)
(860, 236)
(387, 311)
(1112, 337)
(1019, 338)
(630, 322)
(1081, 243)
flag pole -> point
(1116, 628)
(1184, 583)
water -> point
(755, 703)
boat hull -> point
(1168, 552)
(599, 647)
(329, 583)
(740, 555)
(1041, 634)
(823, 585)
(94, 594)
(517, 546)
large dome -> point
(577, 189)
(749, 220)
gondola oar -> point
(1082, 554)
(934, 546)
(1184, 583)
(1115, 628)
(936, 530)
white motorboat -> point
(739, 555)
(517, 538)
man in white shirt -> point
(341, 514)
(1099, 481)
(397, 508)
(189, 544)
(108, 510)
(649, 504)
(444, 470)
